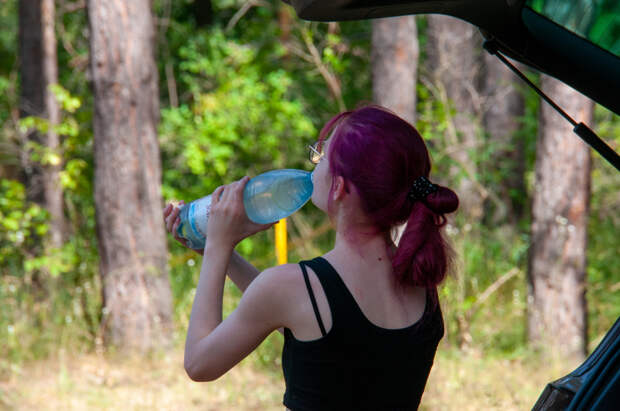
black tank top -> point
(358, 365)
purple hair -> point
(381, 155)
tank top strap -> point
(302, 264)
(341, 303)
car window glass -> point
(595, 20)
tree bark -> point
(394, 58)
(454, 65)
(503, 108)
(39, 70)
(557, 259)
(133, 255)
(285, 23)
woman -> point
(362, 322)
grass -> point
(475, 381)
(104, 382)
(458, 381)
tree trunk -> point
(132, 247)
(39, 70)
(454, 64)
(503, 108)
(285, 23)
(394, 58)
(557, 260)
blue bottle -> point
(267, 198)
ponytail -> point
(422, 257)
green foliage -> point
(48, 295)
(8, 35)
(240, 120)
(68, 102)
(482, 260)
(21, 224)
(51, 296)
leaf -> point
(66, 100)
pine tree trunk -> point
(454, 64)
(39, 70)
(394, 58)
(136, 290)
(504, 106)
(31, 99)
(557, 260)
(285, 23)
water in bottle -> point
(276, 194)
(267, 198)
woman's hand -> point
(172, 221)
(228, 223)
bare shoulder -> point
(292, 304)
(281, 273)
(277, 282)
(279, 288)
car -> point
(575, 41)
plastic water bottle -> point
(267, 198)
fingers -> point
(168, 222)
(175, 225)
(227, 192)
(230, 192)
(241, 186)
(171, 218)
(167, 210)
(217, 194)
(234, 191)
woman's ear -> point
(339, 188)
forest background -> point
(244, 87)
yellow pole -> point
(281, 253)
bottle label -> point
(192, 220)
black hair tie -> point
(421, 188)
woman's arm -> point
(213, 346)
(241, 271)
(207, 307)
